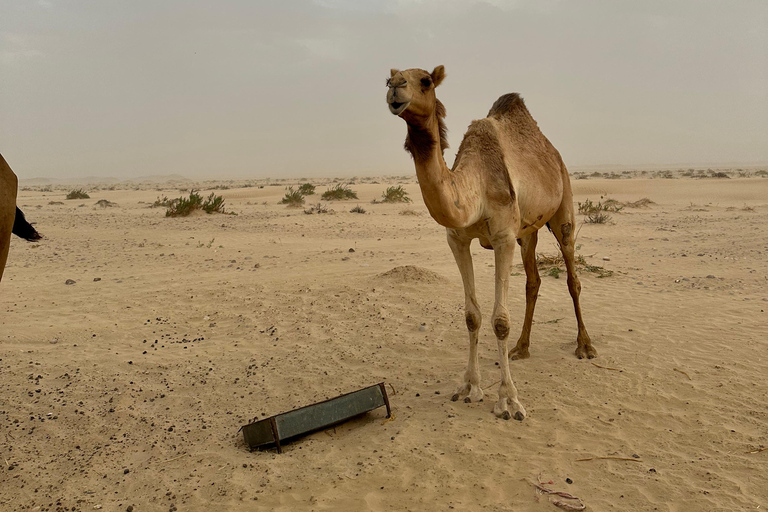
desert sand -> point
(128, 387)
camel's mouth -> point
(398, 108)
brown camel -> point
(11, 218)
(506, 183)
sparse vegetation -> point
(595, 213)
(553, 266)
(78, 194)
(640, 203)
(395, 195)
(183, 206)
(307, 189)
(339, 193)
(318, 208)
(55, 202)
(293, 198)
(162, 202)
(104, 203)
(357, 209)
(408, 211)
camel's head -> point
(411, 93)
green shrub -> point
(395, 195)
(183, 206)
(307, 189)
(339, 193)
(293, 198)
(162, 202)
(78, 194)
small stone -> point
(568, 481)
(423, 327)
(96, 279)
(710, 276)
(126, 471)
(345, 258)
(351, 250)
(69, 281)
(606, 258)
(129, 509)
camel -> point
(508, 181)
(11, 218)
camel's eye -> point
(426, 82)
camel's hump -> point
(506, 105)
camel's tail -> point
(24, 229)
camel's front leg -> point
(470, 388)
(504, 253)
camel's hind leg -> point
(562, 225)
(470, 389)
(528, 250)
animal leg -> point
(528, 250)
(8, 187)
(470, 388)
(562, 224)
(503, 253)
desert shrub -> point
(78, 194)
(183, 206)
(339, 193)
(104, 203)
(55, 202)
(307, 189)
(162, 202)
(292, 198)
(408, 211)
(395, 195)
(213, 203)
(597, 218)
(318, 208)
(357, 209)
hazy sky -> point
(296, 88)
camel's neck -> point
(442, 189)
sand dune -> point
(127, 388)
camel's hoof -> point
(506, 416)
(519, 353)
(455, 397)
(519, 416)
(587, 351)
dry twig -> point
(579, 505)
(761, 449)
(681, 371)
(609, 458)
(608, 368)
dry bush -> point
(318, 208)
(78, 194)
(357, 209)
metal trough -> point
(276, 429)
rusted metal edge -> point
(275, 430)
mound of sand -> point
(412, 274)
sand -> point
(128, 387)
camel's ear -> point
(393, 72)
(437, 75)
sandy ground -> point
(128, 387)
